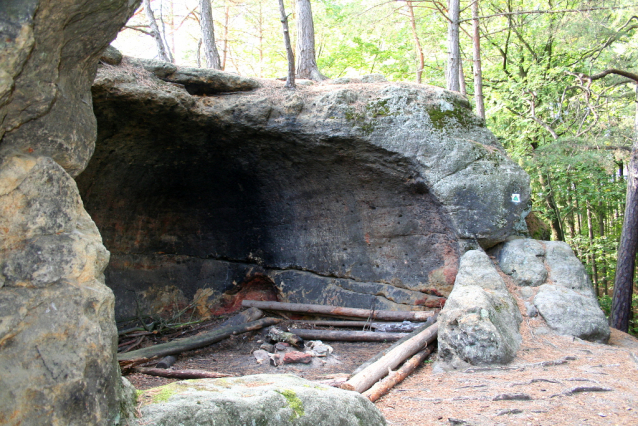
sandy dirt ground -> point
(554, 380)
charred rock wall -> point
(324, 191)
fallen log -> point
(166, 362)
(347, 336)
(340, 311)
(375, 358)
(180, 374)
(373, 373)
(249, 315)
(195, 342)
(383, 386)
(333, 323)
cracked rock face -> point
(565, 297)
(354, 197)
(479, 324)
(58, 339)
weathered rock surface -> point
(47, 63)
(57, 332)
(479, 324)
(111, 56)
(571, 312)
(565, 298)
(268, 399)
(524, 260)
(198, 81)
(372, 193)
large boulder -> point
(57, 331)
(49, 50)
(371, 195)
(479, 323)
(565, 296)
(58, 339)
(268, 399)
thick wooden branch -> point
(195, 342)
(180, 374)
(605, 73)
(373, 373)
(395, 345)
(340, 311)
(347, 336)
(383, 386)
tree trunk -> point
(454, 55)
(623, 283)
(306, 60)
(417, 43)
(478, 71)
(341, 311)
(592, 256)
(557, 232)
(225, 51)
(161, 48)
(208, 35)
(290, 79)
(462, 86)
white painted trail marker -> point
(516, 198)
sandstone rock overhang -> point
(342, 194)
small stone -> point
(111, 56)
(296, 357)
(281, 346)
(261, 356)
(267, 347)
(512, 397)
(531, 310)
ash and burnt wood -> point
(277, 335)
(196, 342)
(341, 311)
(363, 380)
(347, 336)
(302, 209)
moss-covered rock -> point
(268, 400)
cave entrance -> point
(185, 205)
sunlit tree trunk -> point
(454, 54)
(417, 43)
(225, 52)
(161, 48)
(478, 71)
(208, 35)
(624, 281)
(290, 80)
(306, 60)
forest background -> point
(572, 134)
